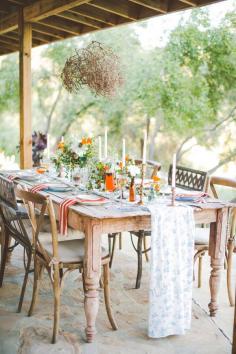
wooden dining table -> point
(105, 219)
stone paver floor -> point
(31, 335)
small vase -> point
(109, 181)
(132, 192)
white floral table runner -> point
(171, 276)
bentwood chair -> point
(152, 168)
(58, 258)
(226, 186)
(14, 224)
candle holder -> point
(173, 195)
(143, 170)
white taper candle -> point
(173, 171)
(99, 148)
(48, 146)
(123, 153)
(105, 143)
(145, 147)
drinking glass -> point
(122, 180)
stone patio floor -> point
(31, 335)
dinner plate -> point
(90, 199)
(28, 177)
(58, 187)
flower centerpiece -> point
(39, 144)
(69, 157)
(98, 174)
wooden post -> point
(25, 38)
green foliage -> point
(184, 87)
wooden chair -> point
(189, 179)
(141, 246)
(58, 258)
(14, 223)
(202, 236)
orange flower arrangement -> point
(61, 145)
(156, 179)
(86, 141)
(121, 165)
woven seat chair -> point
(202, 236)
(141, 246)
(14, 223)
(58, 258)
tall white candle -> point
(99, 148)
(145, 147)
(62, 139)
(48, 146)
(173, 171)
(123, 153)
(105, 143)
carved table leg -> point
(217, 244)
(92, 270)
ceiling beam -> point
(79, 19)
(57, 23)
(190, 2)
(37, 11)
(43, 28)
(156, 5)
(43, 8)
(95, 14)
(121, 8)
(7, 45)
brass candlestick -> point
(143, 170)
(173, 195)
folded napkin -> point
(38, 187)
(63, 214)
(171, 270)
(197, 197)
(12, 177)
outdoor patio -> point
(23, 335)
(108, 153)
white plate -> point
(90, 199)
(28, 177)
(58, 187)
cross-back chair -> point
(202, 235)
(58, 258)
(188, 178)
(14, 224)
(141, 245)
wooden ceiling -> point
(54, 20)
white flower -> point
(81, 153)
(133, 170)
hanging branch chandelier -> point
(95, 66)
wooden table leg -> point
(217, 244)
(92, 272)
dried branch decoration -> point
(95, 66)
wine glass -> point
(76, 177)
(122, 180)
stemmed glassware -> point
(122, 180)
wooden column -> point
(25, 38)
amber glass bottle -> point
(132, 192)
